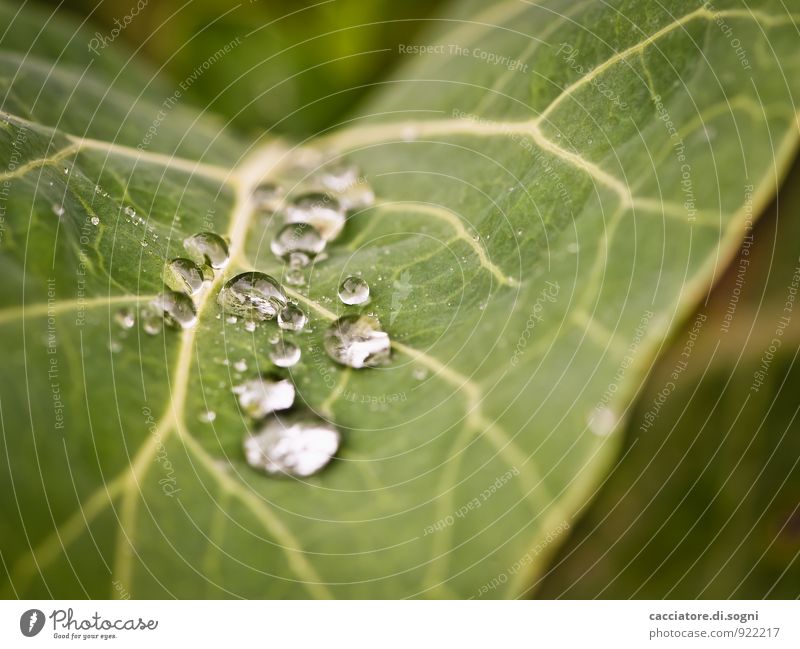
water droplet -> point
(240, 365)
(339, 176)
(252, 295)
(185, 276)
(603, 421)
(207, 417)
(321, 210)
(125, 317)
(420, 373)
(232, 319)
(95, 220)
(267, 197)
(292, 318)
(177, 308)
(357, 341)
(207, 248)
(297, 445)
(129, 211)
(297, 238)
(58, 210)
(354, 290)
(284, 353)
(260, 396)
(250, 326)
(152, 322)
(114, 346)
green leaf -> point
(538, 235)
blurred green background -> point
(299, 68)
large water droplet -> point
(357, 341)
(296, 445)
(184, 276)
(292, 318)
(284, 353)
(297, 238)
(321, 210)
(177, 309)
(207, 248)
(252, 295)
(260, 396)
(354, 290)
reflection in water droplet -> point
(260, 396)
(252, 295)
(207, 248)
(177, 309)
(297, 238)
(95, 220)
(321, 210)
(292, 318)
(339, 176)
(284, 353)
(125, 317)
(297, 445)
(184, 276)
(354, 290)
(357, 341)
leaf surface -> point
(533, 245)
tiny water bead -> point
(292, 318)
(267, 197)
(298, 445)
(319, 209)
(207, 248)
(260, 396)
(284, 353)
(152, 321)
(354, 290)
(58, 210)
(295, 238)
(184, 276)
(357, 341)
(253, 295)
(339, 176)
(125, 317)
(177, 309)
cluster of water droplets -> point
(284, 440)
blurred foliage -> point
(297, 68)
